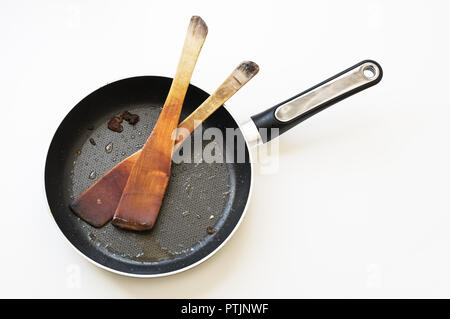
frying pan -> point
(200, 197)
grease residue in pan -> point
(196, 198)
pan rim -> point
(173, 272)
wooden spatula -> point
(97, 204)
(144, 190)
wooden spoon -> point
(97, 204)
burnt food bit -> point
(92, 141)
(114, 124)
(130, 118)
(211, 230)
(91, 127)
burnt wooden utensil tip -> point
(249, 68)
(245, 72)
(142, 196)
(198, 27)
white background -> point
(359, 206)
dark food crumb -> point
(130, 118)
(114, 124)
(92, 141)
(78, 152)
(90, 127)
(211, 230)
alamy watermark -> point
(73, 276)
(225, 145)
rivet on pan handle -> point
(302, 106)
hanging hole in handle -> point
(369, 72)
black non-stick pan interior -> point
(199, 195)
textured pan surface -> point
(199, 194)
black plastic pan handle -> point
(304, 105)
